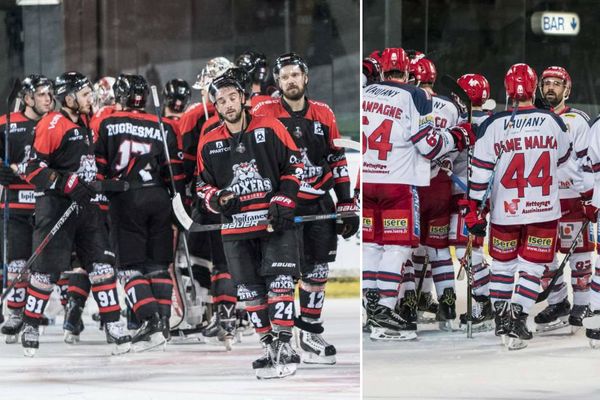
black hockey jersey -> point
(313, 130)
(256, 163)
(21, 198)
(129, 146)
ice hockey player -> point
(516, 156)
(313, 127)
(249, 171)
(477, 87)
(256, 66)
(555, 86)
(371, 71)
(176, 98)
(434, 208)
(37, 94)
(130, 147)
(399, 143)
(103, 93)
(61, 166)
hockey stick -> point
(176, 201)
(559, 272)
(9, 100)
(61, 221)
(422, 277)
(298, 220)
(455, 179)
(348, 143)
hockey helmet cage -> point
(289, 59)
(214, 68)
(476, 87)
(520, 82)
(131, 91)
(177, 94)
(69, 83)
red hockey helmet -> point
(423, 70)
(520, 82)
(394, 59)
(560, 73)
(371, 69)
(476, 87)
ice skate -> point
(446, 310)
(553, 317)
(594, 338)
(30, 340)
(386, 325)
(316, 350)
(578, 314)
(427, 309)
(73, 325)
(370, 305)
(150, 335)
(283, 360)
(407, 307)
(502, 320)
(592, 321)
(12, 326)
(244, 326)
(519, 333)
(116, 334)
(482, 316)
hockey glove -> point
(476, 223)
(590, 211)
(281, 212)
(7, 176)
(463, 136)
(347, 226)
(226, 202)
(75, 189)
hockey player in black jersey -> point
(130, 147)
(249, 172)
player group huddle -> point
(440, 172)
(104, 180)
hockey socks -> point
(38, 293)
(16, 298)
(312, 292)
(104, 290)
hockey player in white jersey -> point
(555, 86)
(399, 143)
(477, 87)
(434, 207)
(518, 154)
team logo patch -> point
(568, 232)
(511, 207)
(543, 244)
(367, 222)
(439, 232)
(318, 129)
(504, 246)
(395, 225)
(259, 135)
(248, 183)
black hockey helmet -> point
(177, 94)
(34, 81)
(255, 65)
(241, 76)
(70, 83)
(225, 80)
(289, 59)
(131, 91)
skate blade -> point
(29, 352)
(425, 317)
(592, 322)
(484, 326)
(120, 349)
(384, 334)
(276, 372)
(504, 339)
(551, 326)
(228, 342)
(447, 326)
(516, 344)
(595, 344)
(70, 338)
(11, 339)
(312, 358)
(156, 340)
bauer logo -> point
(539, 242)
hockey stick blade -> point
(453, 87)
(195, 227)
(347, 143)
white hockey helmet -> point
(104, 94)
(214, 68)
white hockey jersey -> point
(525, 184)
(594, 159)
(445, 116)
(398, 136)
(459, 166)
(572, 178)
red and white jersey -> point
(398, 136)
(459, 166)
(577, 123)
(594, 159)
(525, 185)
(445, 116)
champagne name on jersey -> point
(526, 143)
(146, 132)
(248, 183)
(383, 109)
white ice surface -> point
(440, 365)
(185, 371)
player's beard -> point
(295, 93)
(233, 117)
(553, 100)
